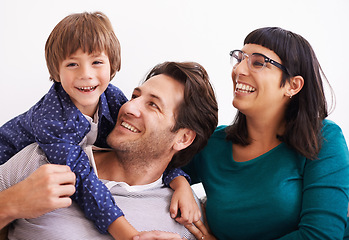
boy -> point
(82, 55)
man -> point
(168, 119)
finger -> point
(174, 209)
(64, 178)
(197, 216)
(194, 230)
(201, 226)
(65, 190)
(63, 202)
(55, 168)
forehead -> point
(255, 48)
(80, 53)
(168, 90)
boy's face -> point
(85, 77)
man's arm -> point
(45, 190)
(29, 187)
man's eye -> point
(134, 96)
(152, 104)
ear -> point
(295, 85)
(184, 138)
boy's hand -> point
(183, 205)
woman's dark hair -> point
(308, 108)
(199, 109)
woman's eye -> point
(258, 64)
(134, 96)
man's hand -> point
(45, 190)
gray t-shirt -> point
(146, 207)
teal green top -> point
(278, 195)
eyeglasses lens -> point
(256, 62)
(236, 58)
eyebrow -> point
(152, 96)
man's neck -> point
(119, 168)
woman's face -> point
(259, 93)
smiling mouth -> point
(86, 89)
(129, 127)
(243, 88)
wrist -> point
(179, 182)
(8, 211)
(121, 229)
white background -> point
(153, 31)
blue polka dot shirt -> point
(58, 126)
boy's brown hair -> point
(91, 32)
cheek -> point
(105, 75)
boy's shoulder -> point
(113, 91)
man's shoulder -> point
(22, 164)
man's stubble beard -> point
(145, 152)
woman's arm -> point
(325, 190)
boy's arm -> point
(121, 229)
(183, 202)
(92, 196)
(13, 138)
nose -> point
(85, 72)
(242, 67)
(133, 107)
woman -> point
(281, 170)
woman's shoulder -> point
(334, 143)
(330, 129)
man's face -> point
(144, 123)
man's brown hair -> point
(198, 110)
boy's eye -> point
(97, 62)
(71, 64)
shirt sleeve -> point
(21, 165)
(59, 142)
(325, 190)
(169, 175)
(13, 138)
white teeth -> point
(244, 88)
(129, 127)
(87, 88)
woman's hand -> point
(183, 200)
(199, 230)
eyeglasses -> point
(256, 61)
